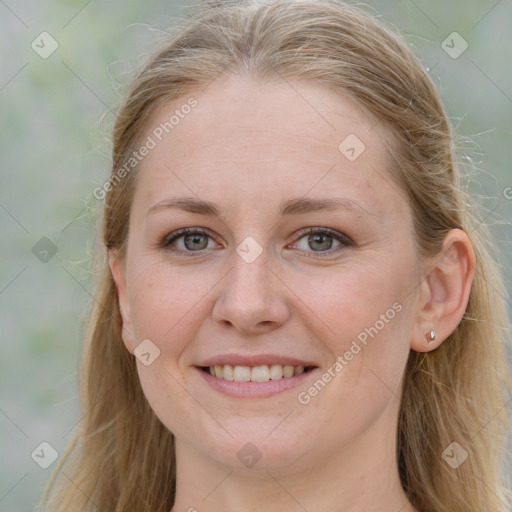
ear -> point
(444, 292)
(118, 273)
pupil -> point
(325, 242)
(195, 241)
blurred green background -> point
(56, 112)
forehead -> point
(266, 142)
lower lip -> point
(254, 389)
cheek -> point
(364, 317)
(355, 302)
(166, 304)
(171, 401)
(365, 324)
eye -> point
(188, 240)
(321, 241)
(315, 242)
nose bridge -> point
(250, 297)
(250, 279)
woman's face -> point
(300, 260)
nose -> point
(252, 299)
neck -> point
(362, 476)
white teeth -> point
(262, 373)
(276, 371)
(288, 371)
(228, 372)
(242, 373)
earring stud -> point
(431, 336)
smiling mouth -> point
(261, 373)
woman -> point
(297, 308)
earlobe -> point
(119, 278)
(444, 293)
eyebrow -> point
(296, 206)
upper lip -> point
(253, 360)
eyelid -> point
(170, 237)
(345, 240)
(342, 237)
(167, 240)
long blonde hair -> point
(121, 457)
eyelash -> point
(344, 240)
